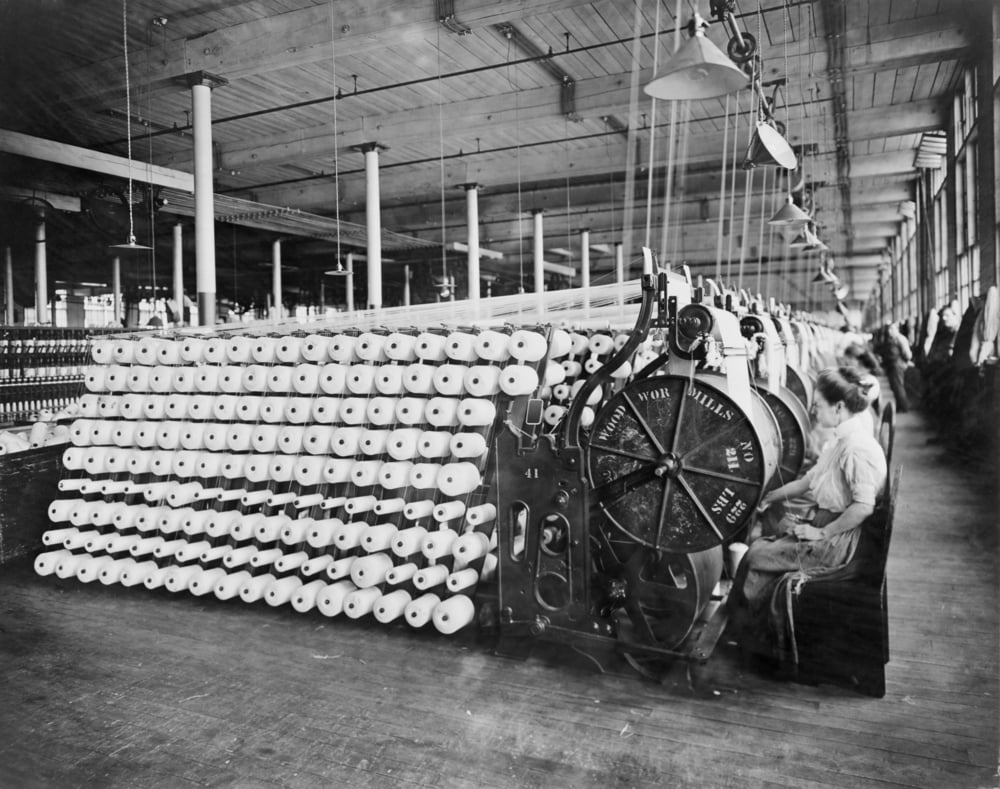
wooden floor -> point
(107, 687)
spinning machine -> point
(572, 483)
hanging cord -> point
(128, 119)
(517, 145)
(628, 210)
(336, 147)
(763, 221)
(685, 120)
(732, 190)
(722, 196)
(652, 130)
(444, 224)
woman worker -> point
(842, 487)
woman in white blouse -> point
(842, 488)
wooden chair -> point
(887, 431)
(840, 619)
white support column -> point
(116, 288)
(585, 270)
(276, 280)
(373, 218)
(204, 194)
(8, 288)
(472, 221)
(406, 285)
(179, 272)
(349, 265)
(620, 273)
(538, 234)
(41, 274)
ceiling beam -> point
(74, 156)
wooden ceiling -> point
(538, 102)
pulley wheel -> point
(676, 464)
(793, 428)
(800, 385)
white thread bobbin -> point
(395, 474)
(560, 344)
(370, 347)
(305, 379)
(123, 351)
(227, 588)
(389, 379)
(448, 510)
(481, 513)
(389, 506)
(453, 614)
(341, 348)
(419, 378)
(280, 591)
(348, 535)
(330, 602)
(402, 443)
(365, 473)
(281, 468)
(340, 568)
(352, 410)
(423, 476)
(429, 577)
(116, 378)
(527, 346)
(442, 411)
(517, 380)
(437, 544)
(401, 347)
(255, 378)
(325, 410)
(361, 379)
(288, 349)
(434, 444)
(482, 380)
(461, 347)
(279, 378)
(407, 541)
(254, 589)
(449, 379)
(206, 380)
(415, 510)
(378, 537)
(430, 347)
(315, 348)
(102, 351)
(401, 573)
(462, 580)
(317, 439)
(304, 599)
(147, 351)
(389, 607)
(308, 471)
(411, 410)
(493, 346)
(230, 379)
(458, 479)
(239, 350)
(420, 610)
(476, 412)
(333, 378)
(470, 546)
(381, 411)
(290, 439)
(272, 409)
(193, 349)
(337, 470)
(373, 442)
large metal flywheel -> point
(677, 465)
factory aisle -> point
(108, 687)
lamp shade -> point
(768, 147)
(697, 70)
(789, 216)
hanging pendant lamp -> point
(697, 70)
(768, 147)
(130, 245)
(789, 216)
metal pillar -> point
(406, 285)
(585, 269)
(349, 265)
(373, 219)
(620, 272)
(9, 288)
(179, 273)
(276, 280)
(204, 196)
(116, 288)
(472, 221)
(41, 273)
(538, 234)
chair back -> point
(887, 431)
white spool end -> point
(361, 601)
(453, 614)
(330, 601)
(418, 612)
